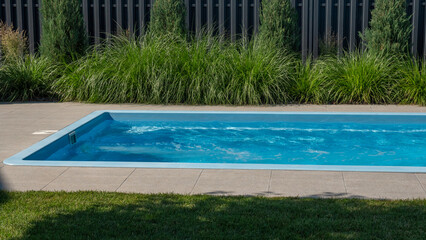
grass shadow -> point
(133, 216)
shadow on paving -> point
(208, 217)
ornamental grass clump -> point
(258, 74)
(27, 79)
(308, 86)
(13, 44)
(411, 88)
(169, 70)
(359, 78)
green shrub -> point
(64, 36)
(168, 17)
(390, 28)
(279, 24)
(162, 70)
(411, 89)
(360, 78)
(27, 79)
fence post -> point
(198, 18)
(86, 15)
(210, 15)
(315, 34)
(8, 5)
(415, 32)
(305, 28)
(96, 20)
(141, 16)
(130, 16)
(340, 22)
(256, 12)
(19, 17)
(352, 26)
(233, 11)
(365, 12)
(108, 18)
(328, 9)
(31, 32)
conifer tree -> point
(278, 24)
(63, 31)
(168, 17)
(390, 28)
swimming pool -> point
(393, 142)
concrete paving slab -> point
(307, 184)
(383, 185)
(180, 181)
(422, 179)
(23, 178)
(96, 179)
(233, 182)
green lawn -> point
(97, 215)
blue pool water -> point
(393, 142)
(250, 142)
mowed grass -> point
(97, 215)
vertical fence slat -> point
(210, 15)
(424, 39)
(365, 12)
(415, 32)
(310, 24)
(328, 9)
(96, 20)
(8, 5)
(19, 16)
(188, 8)
(352, 26)
(340, 22)
(86, 6)
(256, 13)
(130, 16)
(119, 14)
(316, 29)
(233, 11)
(245, 6)
(198, 17)
(221, 17)
(305, 19)
(39, 18)
(141, 16)
(108, 18)
(31, 30)
(293, 3)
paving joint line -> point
(121, 184)
(269, 182)
(196, 181)
(55, 178)
(344, 183)
(421, 185)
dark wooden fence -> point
(344, 19)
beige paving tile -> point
(422, 179)
(23, 178)
(99, 179)
(233, 182)
(307, 184)
(383, 185)
(179, 181)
